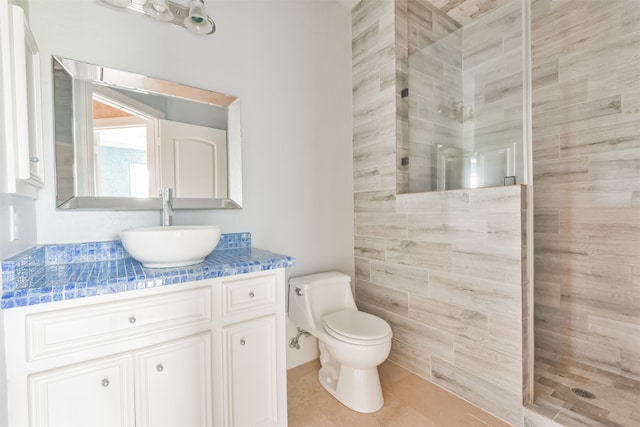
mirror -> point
(120, 137)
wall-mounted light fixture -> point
(158, 9)
(194, 18)
(197, 20)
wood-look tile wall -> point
(466, 11)
(586, 148)
(374, 96)
(445, 269)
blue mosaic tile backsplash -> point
(77, 270)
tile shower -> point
(448, 270)
(586, 165)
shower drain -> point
(583, 393)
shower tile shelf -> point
(59, 272)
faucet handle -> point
(166, 193)
(167, 206)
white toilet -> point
(352, 343)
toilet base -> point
(357, 389)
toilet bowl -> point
(352, 343)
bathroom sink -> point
(170, 246)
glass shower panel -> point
(466, 106)
(436, 115)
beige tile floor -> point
(410, 401)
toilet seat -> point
(357, 327)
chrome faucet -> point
(167, 206)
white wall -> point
(290, 63)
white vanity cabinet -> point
(251, 386)
(20, 105)
(203, 353)
(97, 393)
(173, 383)
(170, 382)
(253, 364)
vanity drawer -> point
(66, 330)
(248, 293)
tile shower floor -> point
(410, 401)
(616, 402)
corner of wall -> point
(308, 348)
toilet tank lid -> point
(318, 278)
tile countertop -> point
(77, 270)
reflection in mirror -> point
(123, 159)
(121, 137)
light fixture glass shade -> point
(197, 21)
(158, 9)
(118, 3)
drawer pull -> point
(105, 382)
(34, 159)
(132, 320)
(251, 294)
(242, 341)
(159, 367)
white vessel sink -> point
(170, 246)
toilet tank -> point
(322, 294)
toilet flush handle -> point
(299, 292)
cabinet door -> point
(250, 373)
(20, 105)
(28, 101)
(95, 394)
(173, 383)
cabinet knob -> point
(105, 382)
(242, 341)
(251, 294)
(159, 367)
(132, 320)
(34, 159)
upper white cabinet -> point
(21, 106)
